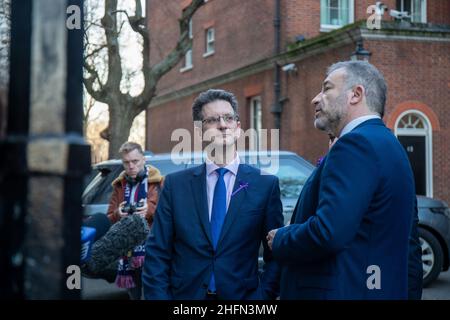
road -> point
(98, 289)
(102, 290)
(439, 289)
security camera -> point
(399, 14)
(380, 8)
(291, 67)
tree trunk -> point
(123, 108)
(120, 122)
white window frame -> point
(210, 36)
(256, 103)
(330, 27)
(423, 9)
(188, 56)
(144, 6)
(427, 132)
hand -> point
(119, 210)
(270, 236)
(143, 209)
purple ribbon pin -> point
(242, 185)
(319, 161)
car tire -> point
(432, 256)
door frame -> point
(427, 132)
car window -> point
(292, 175)
(166, 166)
(99, 189)
(291, 171)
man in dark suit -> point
(211, 219)
(349, 235)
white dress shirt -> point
(356, 122)
(212, 176)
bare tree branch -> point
(183, 45)
(123, 108)
(109, 23)
(100, 94)
(95, 51)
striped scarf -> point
(130, 263)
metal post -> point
(44, 156)
(276, 107)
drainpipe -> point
(276, 107)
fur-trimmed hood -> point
(153, 174)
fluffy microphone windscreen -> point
(123, 236)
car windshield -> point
(291, 171)
(292, 175)
(99, 189)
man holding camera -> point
(135, 193)
(137, 187)
(118, 251)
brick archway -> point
(413, 105)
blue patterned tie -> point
(218, 212)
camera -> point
(131, 208)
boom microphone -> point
(123, 236)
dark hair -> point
(128, 146)
(210, 96)
(365, 74)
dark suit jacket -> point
(179, 252)
(353, 216)
(415, 268)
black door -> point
(415, 148)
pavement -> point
(98, 289)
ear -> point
(198, 129)
(357, 94)
(238, 130)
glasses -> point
(227, 118)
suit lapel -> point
(236, 201)
(198, 183)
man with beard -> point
(348, 237)
(211, 219)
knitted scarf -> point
(130, 263)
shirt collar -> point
(232, 166)
(356, 122)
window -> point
(209, 48)
(255, 121)
(143, 7)
(188, 55)
(335, 14)
(292, 175)
(417, 9)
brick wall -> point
(438, 11)
(414, 71)
(243, 34)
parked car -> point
(292, 171)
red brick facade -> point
(415, 62)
